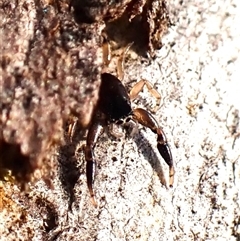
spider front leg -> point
(107, 55)
(146, 119)
(95, 130)
(138, 87)
(121, 61)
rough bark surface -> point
(197, 73)
(50, 70)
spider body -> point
(114, 100)
(114, 106)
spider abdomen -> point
(114, 100)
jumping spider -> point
(114, 106)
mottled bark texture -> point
(50, 68)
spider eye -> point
(119, 122)
(128, 119)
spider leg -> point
(138, 87)
(95, 131)
(146, 119)
(121, 61)
(107, 55)
(71, 128)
